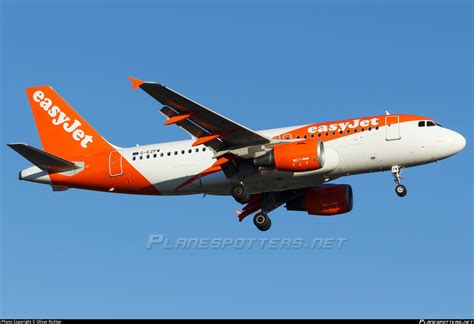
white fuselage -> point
(168, 165)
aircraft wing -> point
(208, 127)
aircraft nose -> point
(459, 142)
(453, 143)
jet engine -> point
(300, 156)
(326, 200)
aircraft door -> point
(392, 126)
(115, 164)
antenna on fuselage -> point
(387, 113)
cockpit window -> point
(428, 123)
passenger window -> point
(362, 129)
(141, 157)
(348, 131)
(197, 150)
(182, 152)
(190, 151)
(334, 133)
(134, 158)
(305, 137)
(169, 153)
(154, 155)
(148, 156)
(203, 149)
(430, 123)
(312, 135)
(298, 136)
(327, 134)
(421, 124)
(376, 128)
(175, 152)
(319, 135)
(161, 154)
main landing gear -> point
(240, 193)
(400, 189)
(265, 202)
(262, 221)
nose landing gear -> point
(400, 189)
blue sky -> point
(264, 64)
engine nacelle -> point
(300, 156)
(327, 200)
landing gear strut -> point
(262, 221)
(400, 189)
(240, 193)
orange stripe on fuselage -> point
(341, 128)
(65, 133)
(216, 167)
(96, 176)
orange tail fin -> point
(62, 130)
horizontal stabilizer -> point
(45, 161)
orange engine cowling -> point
(327, 200)
(300, 156)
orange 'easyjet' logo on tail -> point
(58, 118)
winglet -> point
(135, 83)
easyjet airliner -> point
(262, 170)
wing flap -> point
(191, 128)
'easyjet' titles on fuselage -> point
(342, 126)
(59, 117)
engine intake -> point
(327, 200)
(300, 156)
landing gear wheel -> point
(240, 193)
(401, 190)
(262, 221)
